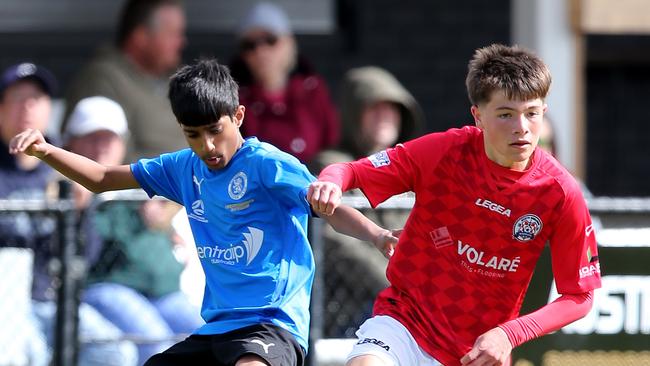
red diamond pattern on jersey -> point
(449, 295)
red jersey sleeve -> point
(399, 169)
(549, 318)
(574, 252)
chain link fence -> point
(38, 237)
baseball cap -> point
(94, 114)
(266, 16)
(28, 70)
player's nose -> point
(520, 125)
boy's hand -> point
(30, 142)
(387, 241)
(324, 197)
(491, 348)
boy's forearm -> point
(349, 221)
(90, 174)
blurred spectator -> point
(134, 73)
(546, 137)
(376, 113)
(135, 282)
(287, 102)
(548, 144)
(25, 91)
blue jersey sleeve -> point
(287, 179)
(161, 176)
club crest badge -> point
(527, 227)
(237, 186)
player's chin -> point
(522, 153)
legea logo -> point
(232, 254)
(493, 206)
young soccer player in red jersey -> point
(487, 201)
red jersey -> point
(302, 121)
(471, 243)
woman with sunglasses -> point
(288, 104)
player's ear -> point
(476, 113)
(239, 115)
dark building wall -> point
(618, 89)
(426, 44)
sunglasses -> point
(251, 44)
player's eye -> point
(504, 115)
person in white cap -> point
(139, 294)
(96, 129)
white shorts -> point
(384, 337)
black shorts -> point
(275, 345)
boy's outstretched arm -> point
(90, 174)
(349, 221)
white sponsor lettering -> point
(622, 305)
(231, 254)
(228, 255)
(493, 206)
(479, 257)
(590, 270)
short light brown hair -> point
(515, 71)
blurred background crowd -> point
(324, 80)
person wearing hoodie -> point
(376, 112)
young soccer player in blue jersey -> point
(246, 201)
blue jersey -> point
(249, 222)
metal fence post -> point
(66, 340)
(317, 297)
